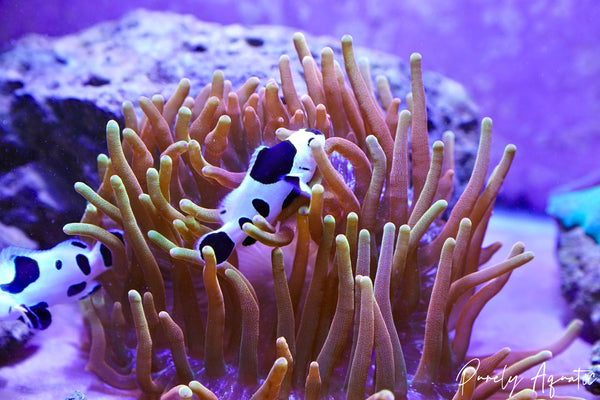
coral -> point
(380, 297)
(577, 208)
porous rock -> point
(591, 379)
(579, 258)
(56, 95)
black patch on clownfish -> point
(43, 315)
(79, 244)
(273, 162)
(290, 197)
(27, 271)
(88, 292)
(243, 220)
(106, 255)
(30, 316)
(83, 263)
(221, 243)
(58, 264)
(316, 132)
(75, 289)
(119, 235)
(38, 315)
(96, 287)
(249, 241)
(261, 207)
(294, 180)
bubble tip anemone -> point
(371, 244)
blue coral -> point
(578, 208)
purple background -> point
(533, 66)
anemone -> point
(371, 289)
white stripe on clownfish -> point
(33, 280)
(276, 176)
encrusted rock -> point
(591, 379)
(579, 257)
(595, 356)
(56, 95)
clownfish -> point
(31, 281)
(276, 176)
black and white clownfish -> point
(31, 281)
(276, 176)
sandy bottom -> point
(528, 314)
